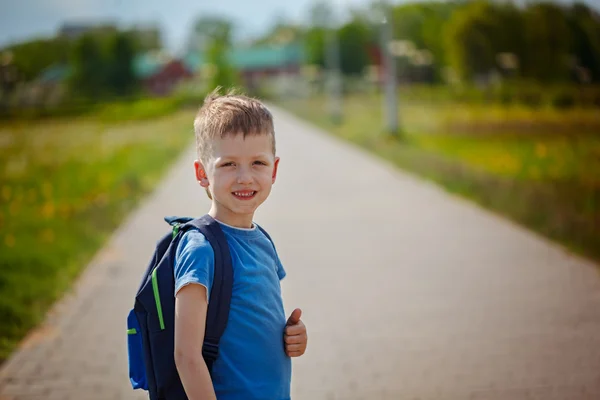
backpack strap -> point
(220, 293)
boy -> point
(237, 166)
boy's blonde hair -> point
(230, 114)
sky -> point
(25, 19)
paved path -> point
(408, 293)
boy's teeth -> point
(248, 194)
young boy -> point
(237, 166)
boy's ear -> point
(275, 169)
(201, 174)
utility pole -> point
(332, 61)
(389, 64)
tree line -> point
(99, 63)
(468, 40)
(542, 42)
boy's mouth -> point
(244, 194)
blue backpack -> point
(150, 324)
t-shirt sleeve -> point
(280, 270)
(194, 261)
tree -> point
(354, 43)
(478, 33)
(121, 53)
(32, 57)
(223, 73)
(584, 25)
(548, 40)
(468, 40)
(409, 21)
(314, 43)
(146, 38)
(208, 29)
(89, 69)
(436, 14)
(319, 16)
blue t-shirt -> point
(252, 363)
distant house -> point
(160, 74)
(54, 74)
(258, 64)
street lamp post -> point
(389, 65)
(332, 59)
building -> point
(257, 64)
(160, 74)
(274, 65)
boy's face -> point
(239, 174)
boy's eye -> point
(260, 163)
(227, 164)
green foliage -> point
(314, 43)
(212, 35)
(65, 186)
(353, 42)
(102, 66)
(409, 22)
(223, 74)
(89, 67)
(121, 54)
(110, 110)
(32, 57)
(209, 29)
(547, 38)
(282, 32)
(549, 42)
(539, 41)
(146, 39)
(436, 14)
(585, 38)
(473, 37)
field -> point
(65, 185)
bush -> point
(563, 100)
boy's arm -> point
(190, 322)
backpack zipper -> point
(157, 300)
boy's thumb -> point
(295, 317)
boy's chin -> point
(243, 206)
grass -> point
(539, 167)
(65, 185)
(136, 107)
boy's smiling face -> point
(239, 173)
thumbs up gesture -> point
(295, 336)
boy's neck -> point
(228, 218)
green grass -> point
(539, 167)
(106, 110)
(65, 185)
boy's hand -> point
(295, 336)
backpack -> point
(150, 324)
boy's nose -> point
(244, 177)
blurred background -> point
(498, 101)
